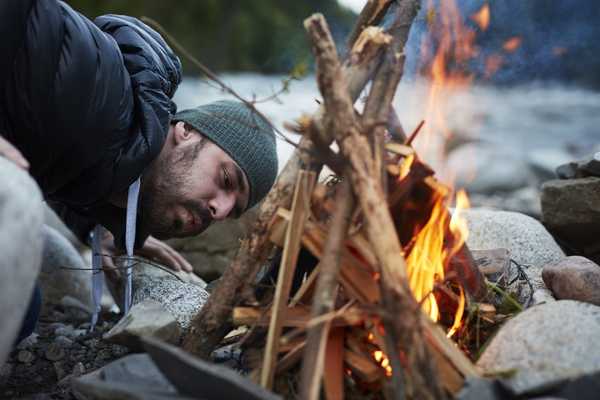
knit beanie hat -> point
(244, 135)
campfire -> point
(379, 311)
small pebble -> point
(25, 356)
(54, 352)
(78, 369)
(60, 371)
(64, 341)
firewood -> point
(300, 212)
(210, 325)
(306, 291)
(396, 295)
(333, 376)
(323, 302)
(363, 366)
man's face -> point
(192, 183)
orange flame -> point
(512, 44)
(429, 255)
(482, 17)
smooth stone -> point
(134, 377)
(574, 278)
(58, 282)
(25, 356)
(21, 219)
(182, 299)
(526, 239)
(146, 318)
(542, 295)
(544, 345)
(54, 352)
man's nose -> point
(220, 206)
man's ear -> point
(181, 132)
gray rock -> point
(146, 318)
(54, 352)
(25, 356)
(63, 342)
(574, 278)
(21, 218)
(53, 221)
(134, 377)
(546, 344)
(488, 169)
(525, 238)
(542, 295)
(212, 380)
(589, 166)
(571, 209)
(182, 299)
(56, 281)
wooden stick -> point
(323, 302)
(300, 212)
(334, 365)
(414, 133)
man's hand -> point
(153, 249)
(162, 253)
(12, 153)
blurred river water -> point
(553, 121)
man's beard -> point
(162, 189)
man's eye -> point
(227, 179)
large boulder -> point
(544, 345)
(212, 251)
(574, 278)
(64, 272)
(21, 219)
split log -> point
(300, 213)
(211, 324)
(323, 302)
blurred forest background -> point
(264, 36)
(559, 39)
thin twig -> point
(414, 134)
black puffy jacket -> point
(87, 103)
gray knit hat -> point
(245, 136)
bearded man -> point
(86, 107)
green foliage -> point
(233, 35)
